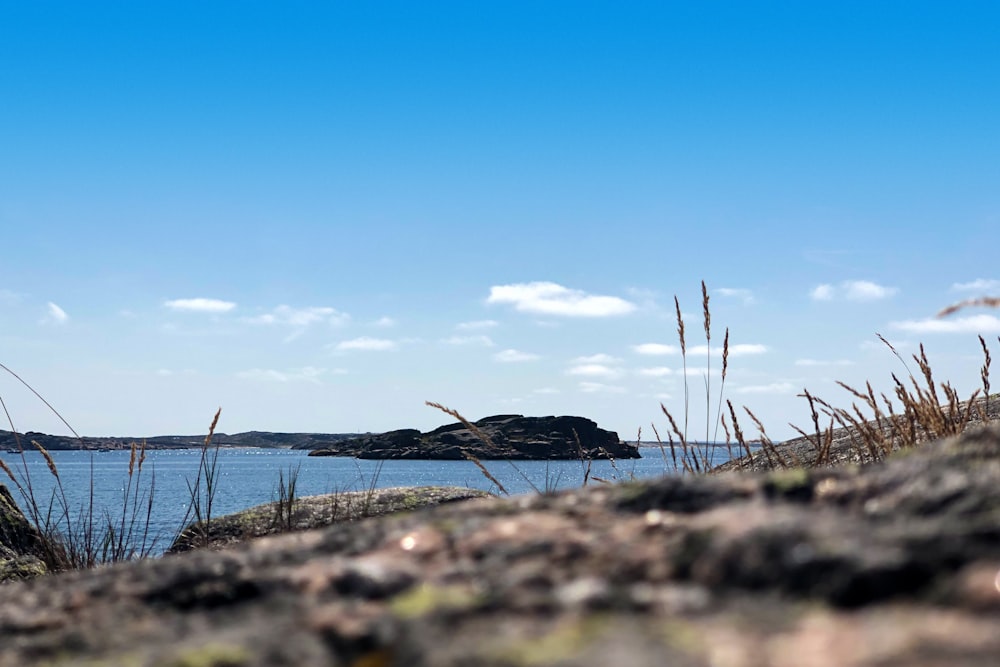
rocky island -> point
(512, 437)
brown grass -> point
(917, 409)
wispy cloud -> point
(737, 350)
(820, 362)
(167, 372)
(656, 349)
(773, 388)
(594, 370)
(744, 295)
(599, 358)
(656, 371)
(7, 296)
(306, 374)
(822, 292)
(595, 365)
(514, 356)
(553, 299)
(853, 290)
(545, 391)
(200, 305)
(482, 341)
(978, 285)
(384, 322)
(476, 325)
(600, 388)
(366, 344)
(977, 324)
(55, 314)
(300, 317)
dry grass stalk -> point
(738, 432)
(691, 466)
(131, 459)
(820, 443)
(587, 461)
(984, 374)
(663, 451)
(48, 458)
(681, 338)
(985, 301)
(485, 438)
(766, 443)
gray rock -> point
(895, 563)
(21, 545)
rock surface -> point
(21, 546)
(314, 512)
(895, 563)
(512, 437)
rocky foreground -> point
(508, 437)
(894, 563)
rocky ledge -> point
(512, 437)
(892, 563)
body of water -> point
(248, 477)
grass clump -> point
(916, 410)
(69, 539)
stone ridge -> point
(512, 437)
(9, 441)
(894, 563)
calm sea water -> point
(248, 477)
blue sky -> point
(318, 215)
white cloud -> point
(300, 317)
(384, 322)
(595, 365)
(166, 372)
(599, 358)
(201, 305)
(656, 372)
(819, 362)
(56, 314)
(773, 388)
(822, 292)
(656, 349)
(552, 299)
(483, 341)
(366, 344)
(594, 370)
(514, 356)
(476, 325)
(306, 374)
(864, 290)
(700, 372)
(597, 387)
(977, 324)
(853, 290)
(737, 350)
(736, 293)
(978, 285)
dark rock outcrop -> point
(21, 546)
(512, 437)
(895, 563)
